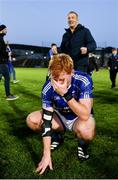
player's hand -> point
(83, 50)
(61, 89)
(44, 163)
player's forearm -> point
(46, 146)
(47, 116)
(79, 109)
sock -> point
(83, 144)
(56, 136)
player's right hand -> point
(44, 163)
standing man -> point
(77, 42)
(4, 70)
(66, 104)
(113, 67)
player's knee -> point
(32, 123)
(86, 130)
(29, 121)
(87, 135)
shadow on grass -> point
(107, 96)
(109, 132)
(27, 92)
(4, 161)
(19, 129)
(104, 159)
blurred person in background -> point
(53, 50)
(113, 67)
(92, 64)
(10, 65)
(4, 70)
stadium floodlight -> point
(32, 52)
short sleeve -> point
(47, 100)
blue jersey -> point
(50, 53)
(81, 88)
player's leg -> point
(34, 120)
(112, 78)
(0, 76)
(85, 131)
(57, 127)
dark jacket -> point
(3, 52)
(113, 62)
(72, 42)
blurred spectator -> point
(113, 67)
(3, 63)
(10, 65)
(53, 50)
(92, 64)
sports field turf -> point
(21, 148)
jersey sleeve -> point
(47, 96)
(86, 89)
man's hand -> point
(83, 50)
(61, 89)
(44, 163)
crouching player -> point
(66, 104)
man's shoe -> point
(15, 81)
(56, 140)
(82, 154)
(12, 97)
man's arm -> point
(3, 52)
(91, 44)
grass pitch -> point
(21, 148)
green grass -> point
(21, 148)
